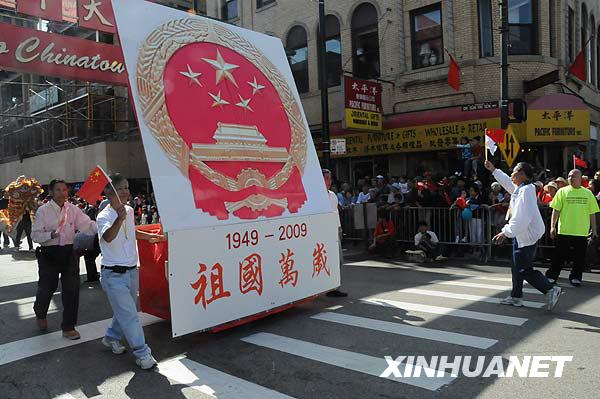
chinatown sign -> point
(362, 104)
(237, 179)
(32, 51)
(435, 137)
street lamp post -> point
(326, 146)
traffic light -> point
(519, 110)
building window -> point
(571, 35)
(427, 36)
(333, 51)
(297, 54)
(365, 42)
(598, 55)
(230, 10)
(592, 52)
(522, 27)
(262, 3)
(486, 42)
(552, 23)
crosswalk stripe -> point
(359, 362)
(407, 330)
(467, 314)
(212, 382)
(17, 350)
(468, 297)
(484, 286)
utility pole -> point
(326, 146)
(504, 32)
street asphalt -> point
(327, 348)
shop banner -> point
(47, 9)
(558, 125)
(233, 165)
(362, 104)
(436, 137)
(40, 53)
(96, 15)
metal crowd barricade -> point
(451, 229)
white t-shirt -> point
(419, 237)
(334, 205)
(122, 251)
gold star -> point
(223, 68)
(97, 174)
(219, 102)
(244, 103)
(193, 76)
(255, 86)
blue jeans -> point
(522, 269)
(122, 290)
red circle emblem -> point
(240, 135)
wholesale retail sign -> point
(250, 228)
(434, 137)
(40, 53)
(362, 104)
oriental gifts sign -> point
(362, 104)
(245, 269)
(31, 51)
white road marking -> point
(366, 364)
(468, 297)
(23, 301)
(483, 286)
(467, 314)
(65, 396)
(214, 383)
(17, 350)
(407, 330)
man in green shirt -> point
(573, 209)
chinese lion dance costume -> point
(22, 197)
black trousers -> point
(6, 239)
(24, 226)
(56, 262)
(90, 255)
(562, 246)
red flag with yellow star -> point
(94, 185)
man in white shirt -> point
(119, 276)
(334, 205)
(525, 227)
(54, 229)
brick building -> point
(405, 45)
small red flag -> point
(578, 67)
(94, 185)
(453, 74)
(578, 162)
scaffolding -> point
(52, 117)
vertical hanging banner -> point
(362, 104)
(69, 10)
(96, 15)
(45, 9)
(236, 175)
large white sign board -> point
(233, 165)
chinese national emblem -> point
(226, 116)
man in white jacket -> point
(525, 227)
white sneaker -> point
(576, 282)
(552, 297)
(440, 258)
(147, 362)
(509, 300)
(552, 281)
(115, 346)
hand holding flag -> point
(94, 185)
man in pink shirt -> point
(54, 228)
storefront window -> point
(333, 51)
(486, 42)
(365, 42)
(262, 3)
(297, 53)
(427, 36)
(522, 27)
